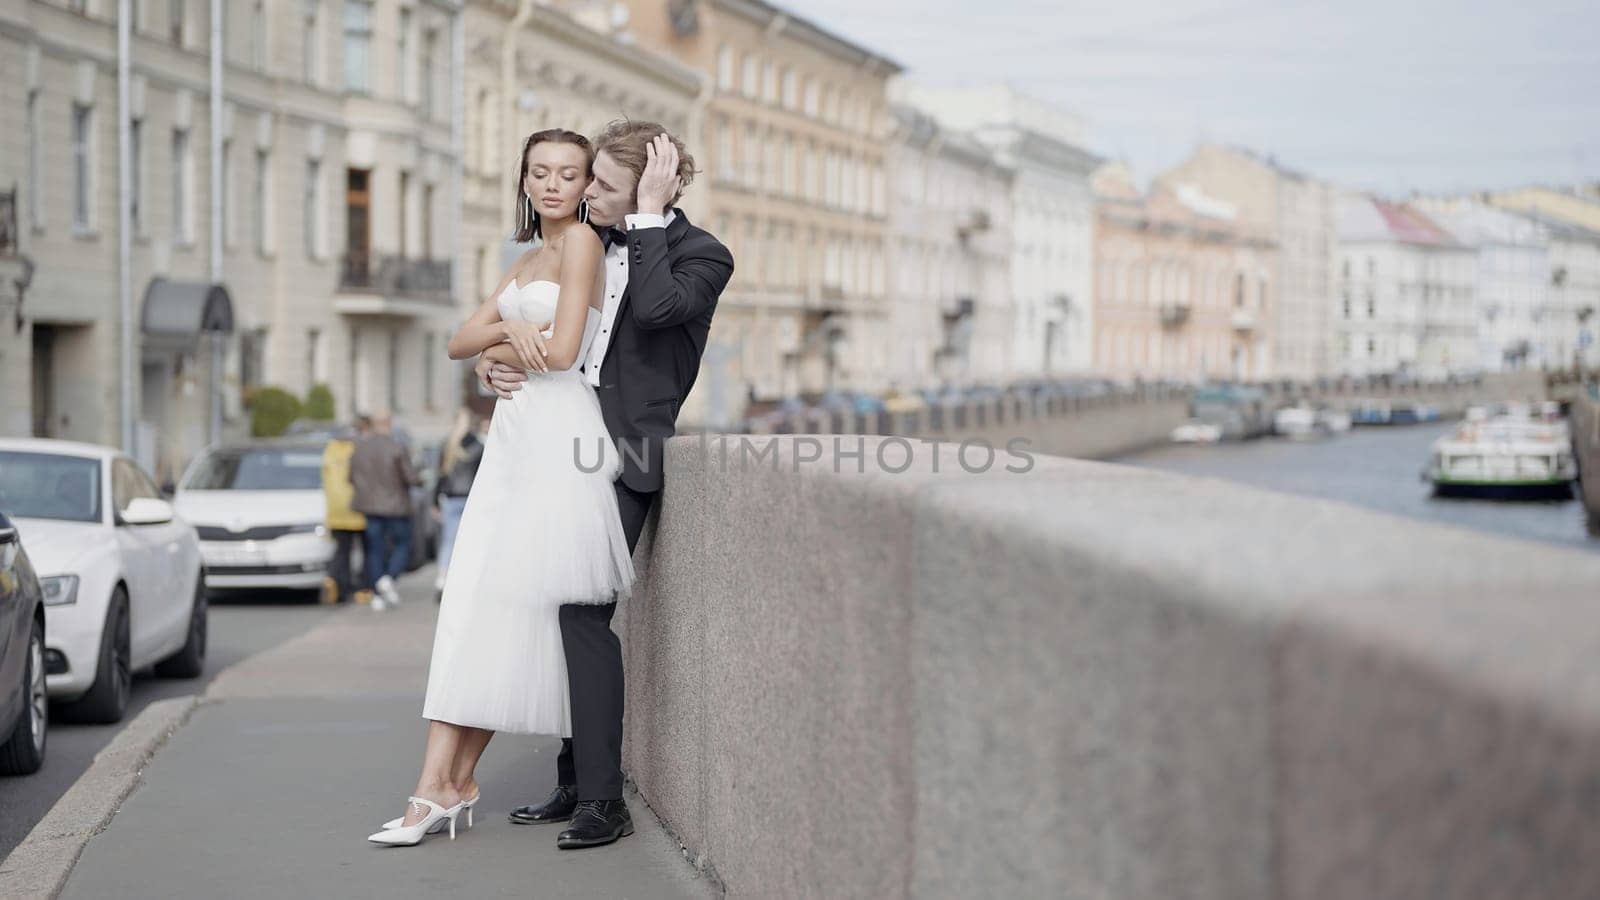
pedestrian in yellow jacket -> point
(344, 523)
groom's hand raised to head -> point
(659, 182)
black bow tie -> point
(609, 236)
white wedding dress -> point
(537, 531)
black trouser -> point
(339, 567)
(594, 678)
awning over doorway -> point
(185, 309)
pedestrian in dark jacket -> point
(458, 465)
(381, 473)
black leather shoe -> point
(596, 822)
(556, 809)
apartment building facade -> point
(794, 142)
(1407, 293)
(1183, 289)
(1299, 215)
(319, 256)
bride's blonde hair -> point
(451, 454)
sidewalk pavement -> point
(297, 754)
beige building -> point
(1299, 214)
(1577, 206)
(949, 275)
(322, 253)
(530, 67)
(1183, 288)
(793, 145)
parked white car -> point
(260, 512)
(121, 573)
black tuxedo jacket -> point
(675, 275)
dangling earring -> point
(583, 210)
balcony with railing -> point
(8, 222)
(392, 285)
(1174, 315)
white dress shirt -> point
(616, 284)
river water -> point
(1377, 468)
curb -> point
(40, 865)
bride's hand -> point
(528, 343)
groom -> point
(663, 277)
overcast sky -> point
(1390, 95)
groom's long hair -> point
(625, 141)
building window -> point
(750, 83)
(428, 367)
(791, 90)
(1372, 267)
(252, 368)
(357, 46)
(749, 156)
(402, 54)
(82, 165)
(725, 67)
(175, 20)
(769, 83)
(427, 221)
(182, 231)
(427, 85)
(772, 179)
(359, 377)
(311, 202)
(258, 36)
(263, 196)
(832, 176)
(136, 163)
(230, 234)
(394, 371)
(812, 104)
(790, 182)
(311, 40)
(314, 356)
(35, 184)
(404, 207)
(725, 168)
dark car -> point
(24, 705)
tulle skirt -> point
(540, 529)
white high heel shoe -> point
(412, 835)
(439, 826)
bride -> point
(497, 661)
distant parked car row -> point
(789, 413)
